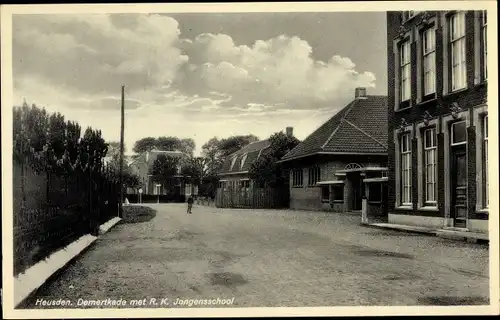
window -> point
(314, 175)
(457, 41)
(484, 38)
(485, 161)
(405, 149)
(429, 59)
(409, 14)
(458, 133)
(325, 193)
(430, 170)
(297, 177)
(405, 71)
(375, 192)
(243, 159)
(233, 161)
(338, 192)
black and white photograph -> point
(244, 159)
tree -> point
(266, 170)
(144, 144)
(130, 180)
(213, 154)
(195, 169)
(164, 169)
(113, 149)
(187, 146)
(216, 151)
(93, 147)
(168, 143)
(232, 144)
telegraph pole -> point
(122, 130)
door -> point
(459, 187)
(357, 192)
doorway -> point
(459, 186)
(357, 192)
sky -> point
(198, 75)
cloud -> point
(277, 70)
(76, 64)
(97, 53)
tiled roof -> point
(359, 127)
(251, 151)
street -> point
(270, 258)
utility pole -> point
(122, 130)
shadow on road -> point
(137, 214)
(453, 301)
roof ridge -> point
(331, 135)
(364, 132)
(349, 107)
(237, 152)
(352, 105)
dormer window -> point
(233, 161)
(243, 159)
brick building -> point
(142, 165)
(438, 119)
(330, 168)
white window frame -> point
(452, 142)
(429, 58)
(407, 15)
(485, 161)
(404, 71)
(405, 173)
(233, 161)
(243, 159)
(484, 36)
(458, 45)
(430, 168)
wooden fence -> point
(252, 198)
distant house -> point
(235, 188)
(142, 165)
(332, 169)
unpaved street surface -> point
(270, 258)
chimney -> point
(289, 131)
(360, 93)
